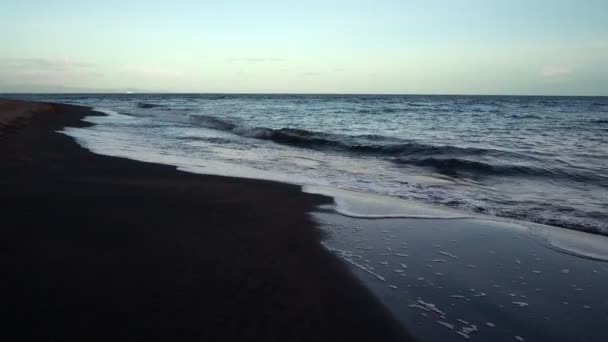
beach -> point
(99, 248)
(304, 171)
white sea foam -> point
(576, 243)
(447, 325)
(371, 206)
(521, 304)
(448, 255)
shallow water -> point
(540, 159)
(460, 279)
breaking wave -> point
(145, 105)
(449, 160)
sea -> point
(528, 158)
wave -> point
(145, 105)
(371, 144)
(453, 161)
(525, 116)
(599, 104)
(456, 167)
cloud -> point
(551, 71)
(46, 70)
(54, 75)
(255, 60)
(44, 63)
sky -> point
(527, 47)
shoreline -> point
(216, 135)
(105, 248)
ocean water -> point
(537, 159)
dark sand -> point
(98, 248)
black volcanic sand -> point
(98, 248)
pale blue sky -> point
(382, 46)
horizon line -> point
(285, 93)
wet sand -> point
(98, 248)
(479, 279)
